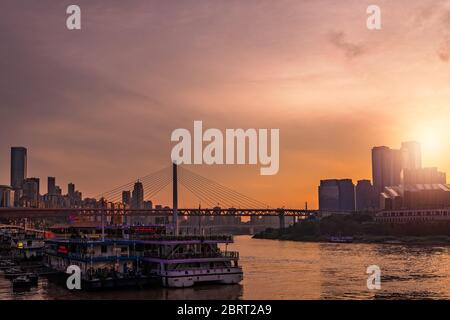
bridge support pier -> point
(175, 198)
(281, 218)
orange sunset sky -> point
(97, 106)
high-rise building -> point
(412, 155)
(148, 205)
(329, 195)
(366, 198)
(337, 195)
(126, 197)
(18, 166)
(387, 165)
(71, 190)
(30, 193)
(138, 196)
(6, 197)
(51, 185)
(346, 195)
(38, 183)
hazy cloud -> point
(444, 51)
(351, 50)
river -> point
(297, 270)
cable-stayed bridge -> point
(219, 199)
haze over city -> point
(97, 107)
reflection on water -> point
(295, 270)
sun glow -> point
(433, 140)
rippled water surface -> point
(296, 270)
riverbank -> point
(369, 239)
(363, 229)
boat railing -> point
(202, 270)
(150, 238)
(225, 254)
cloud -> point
(444, 51)
(436, 15)
(351, 50)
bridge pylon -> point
(175, 197)
(281, 213)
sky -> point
(97, 106)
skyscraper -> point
(51, 185)
(6, 197)
(38, 183)
(346, 195)
(412, 155)
(18, 166)
(337, 195)
(329, 195)
(365, 196)
(138, 196)
(387, 165)
(126, 197)
(31, 192)
(71, 190)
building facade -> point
(6, 197)
(366, 198)
(337, 195)
(18, 167)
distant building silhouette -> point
(417, 196)
(71, 190)
(423, 176)
(329, 195)
(393, 168)
(387, 167)
(346, 195)
(30, 197)
(126, 197)
(137, 200)
(337, 195)
(18, 166)
(51, 186)
(6, 197)
(411, 155)
(366, 197)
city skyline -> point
(88, 110)
(391, 169)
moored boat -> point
(143, 255)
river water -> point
(296, 270)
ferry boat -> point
(27, 248)
(117, 256)
(341, 239)
(22, 245)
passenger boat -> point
(12, 273)
(22, 281)
(26, 246)
(341, 239)
(117, 256)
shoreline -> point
(391, 240)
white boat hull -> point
(188, 278)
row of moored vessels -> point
(118, 256)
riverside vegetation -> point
(362, 228)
